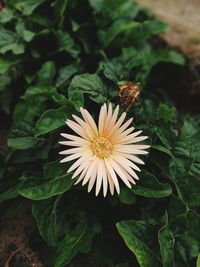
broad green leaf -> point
(140, 238)
(77, 240)
(6, 15)
(23, 33)
(126, 196)
(52, 169)
(59, 8)
(149, 186)
(46, 74)
(53, 119)
(166, 242)
(9, 41)
(176, 207)
(66, 43)
(162, 149)
(86, 83)
(168, 114)
(38, 189)
(27, 7)
(65, 73)
(25, 142)
(130, 28)
(187, 237)
(46, 216)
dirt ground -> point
(183, 18)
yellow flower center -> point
(102, 147)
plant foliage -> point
(56, 56)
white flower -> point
(106, 153)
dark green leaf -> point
(127, 196)
(53, 119)
(45, 213)
(43, 189)
(149, 186)
(140, 239)
(86, 83)
(166, 242)
(27, 7)
(77, 240)
(46, 74)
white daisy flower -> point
(104, 154)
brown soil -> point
(183, 18)
(14, 236)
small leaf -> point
(46, 74)
(45, 214)
(149, 186)
(25, 142)
(166, 242)
(126, 196)
(86, 83)
(140, 238)
(27, 7)
(77, 240)
(53, 119)
(46, 188)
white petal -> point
(74, 143)
(102, 118)
(88, 118)
(117, 125)
(74, 151)
(123, 177)
(71, 157)
(76, 164)
(92, 179)
(108, 118)
(77, 129)
(99, 176)
(112, 174)
(131, 157)
(105, 180)
(111, 184)
(83, 166)
(90, 171)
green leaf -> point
(166, 242)
(25, 142)
(65, 73)
(23, 33)
(198, 261)
(77, 240)
(126, 196)
(46, 74)
(59, 8)
(6, 15)
(149, 186)
(53, 119)
(27, 7)
(166, 113)
(9, 41)
(184, 228)
(86, 83)
(66, 43)
(140, 238)
(46, 216)
(162, 149)
(130, 28)
(43, 189)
